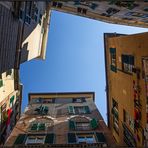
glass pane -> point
(81, 140)
(40, 140)
(30, 140)
(90, 139)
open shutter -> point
(71, 125)
(34, 126)
(87, 111)
(72, 138)
(41, 126)
(100, 137)
(71, 110)
(20, 139)
(94, 123)
(12, 99)
(49, 138)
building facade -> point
(61, 120)
(126, 12)
(126, 58)
(24, 30)
(10, 102)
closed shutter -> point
(49, 138)
(131, 60)
(20, 139)
(72, 138)
(113, 68)
(87, 111)
(100, 137)
(94, 123)
(1, 83)
(71, 110)
(112, 50)
(34, 127)
(71, 125)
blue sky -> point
(74, 59)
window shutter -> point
(41, 126)
(113, 68)
(72, 138)
(112, 50)
(34, 127)
(12, 99)
(94, 123)
(45, 109)
(71, 125)
(100, 137)
(49, 138)
(71, 109)
(87, 111)
(1, 83)
(132, 60)
(20, 139)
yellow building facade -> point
(126, 58)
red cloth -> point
(9, 112)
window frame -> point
(128, 64)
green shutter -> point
(45, 109)
(94, 123)
(41, 126)
(49, 138)
(71, 109)
(1, 83)
(34, 127)
(12, 99)
(113, 68)
(100, 137)
(20, 139)
(72, 138)
(112, 50)
(87, 111)
(115, 113)
(71, 125)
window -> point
(37, 127)
(11, 101)
(115, 116)
(56, 4)
(1, 83)
(35, 140)
(86, 137)
(40, 19)
(42, 110)
(74, 125)
(113, 59)
(81, 10)
(127, 63)
(9, 72)
(79, 100)
(78, 110)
